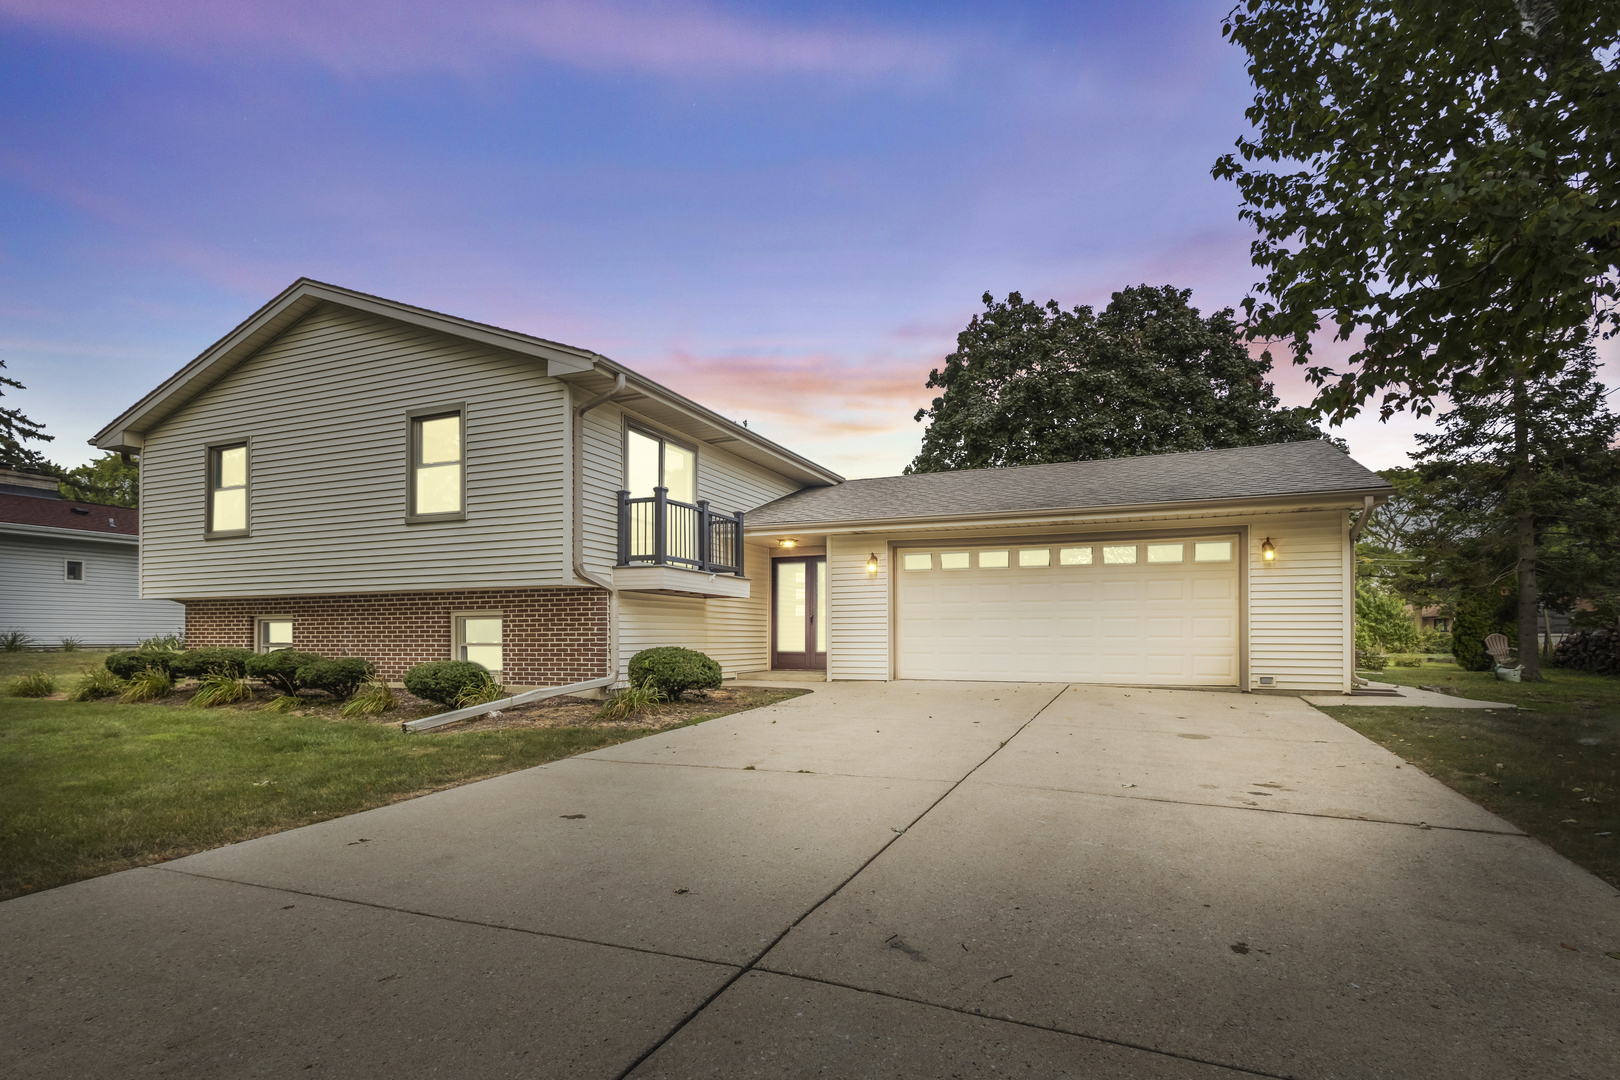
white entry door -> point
(1159, 611)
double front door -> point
(799, 613)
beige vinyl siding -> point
(727, 481)
(324, 406)
(1297, 609)
(733, 632)
(103, 609)
(858, 640)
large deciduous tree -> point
(1030, 384)
(1440, 182)
(110, 479)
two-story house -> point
(356, 476)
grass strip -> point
(1551, 767)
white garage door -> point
(1160, 611)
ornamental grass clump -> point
(71, 644)
(95, 684)
(445, 681)
(286, 703)
(220, 688)
(373, 699)
(161, 643)
(480, 693)
(631, 701)
(147, 684)
(280, 668)
(38, 684)
(14, 641)
(674, 670)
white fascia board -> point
(53, 533)
(1281, 504)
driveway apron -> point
(895, 879)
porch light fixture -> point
(790, 543)
(872, 563)
(1268, 550)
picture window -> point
(651, 461)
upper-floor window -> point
(228, 489)
(72, 570)
(437, 465)
(653, 461)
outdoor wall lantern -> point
(790, 543)
(872, 563)
(1268, 550)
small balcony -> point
(688, 549)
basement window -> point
(478, 638)
(273, 634)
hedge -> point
(340, 677)
(280, 668)
(126, 665)
(198, 663)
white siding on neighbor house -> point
(858, 641)
(733, 632)
(727, 481)
(325, 407)
(1297, 607)
(103, 609)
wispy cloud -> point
(379, 37)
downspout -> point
(1367, 506)
(429, 722)
(579, 524)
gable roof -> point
(66, 514)
(590, 370)
(1284, 470)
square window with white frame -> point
(73, 570)
(273, 633)
(478, 638)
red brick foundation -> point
(552, 636)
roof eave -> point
(1350, 498)
(58, 532)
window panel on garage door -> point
(1162, 611)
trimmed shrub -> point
(446, 681)
(200, 663)
(280, 668)
(339, 677)
(127, 665)
(673, 670)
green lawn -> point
(93, 787)
(66, 666)
(1551, 767)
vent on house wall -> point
(1268, 680)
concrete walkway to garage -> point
(897, 880)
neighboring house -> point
(355, 476)
(1434, 617)
(71, 569)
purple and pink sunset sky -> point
(783, 210)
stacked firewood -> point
(1590, 650)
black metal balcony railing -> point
(661, 531)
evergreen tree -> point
(16, 429)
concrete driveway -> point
(897, 880)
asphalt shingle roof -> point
(1249, 472)
(66, 514)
